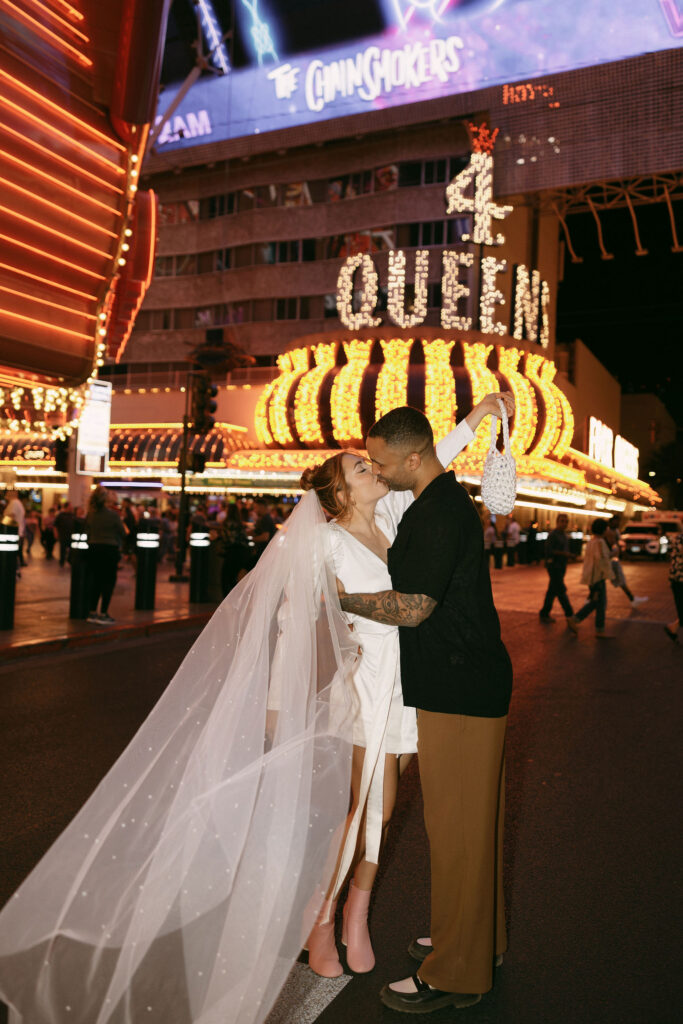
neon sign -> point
(615, 452)
(426, 50)
(531, 294)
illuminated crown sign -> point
(470, 192)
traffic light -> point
(203, 403)
(61, 452)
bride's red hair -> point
(329, 483)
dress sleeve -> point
(453, 443)
(432, 556)
(334, 547)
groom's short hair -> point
(405, 428)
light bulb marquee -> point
(469, 193)
(329, 394)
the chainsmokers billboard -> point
(427, 49)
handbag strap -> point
(494, 427)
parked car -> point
(645, 539)
(669, 525)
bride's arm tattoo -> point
(390, 607)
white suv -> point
(643, 539)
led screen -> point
(377, 54)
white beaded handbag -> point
(499, 479)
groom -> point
(456, 671)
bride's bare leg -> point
(365, 873)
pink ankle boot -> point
(322, 950)
(355, 935)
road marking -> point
(304, 996)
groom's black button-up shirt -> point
(454, 661)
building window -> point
(288, 252)
(179, 212)
(163, 266)
(435, 171)
(409, 175)
(329, 305)
(286, 309)
(186, 264)
(386, 178)
(308, 250)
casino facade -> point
(386, 222)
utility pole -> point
(181, 544)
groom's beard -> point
(396, 485)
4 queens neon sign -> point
(470, 192)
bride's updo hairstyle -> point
(329, 483)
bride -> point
(185, 887)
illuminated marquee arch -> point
(330, 393)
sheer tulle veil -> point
(184, 888)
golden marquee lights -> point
(531, 294)
(329, 394)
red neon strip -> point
(51, 130)
(58, 41)
(56, 181)
(152, 242)
(48, 281)
(58, 18)
(61, 111)
(46, 302)
(53, 231)
(60, 159)
(53, 259)
(55, 206)
(44, 323)
(69, 9)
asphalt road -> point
(594, 792)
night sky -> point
(628, 310)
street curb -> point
(125, 631)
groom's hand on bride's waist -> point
(388, 606)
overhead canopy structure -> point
(78, 85)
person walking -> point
(64, 525)
(556, 558)
(676, 581)
(234, 548)
(15, 509)
(456, 671)
(48, 534)
(619, 579)
(597, 569)
(32, 526)
(511, 539)
(106, 535)
(263, 529)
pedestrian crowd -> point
(241, 531)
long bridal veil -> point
(184, 888)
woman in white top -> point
(364, 524)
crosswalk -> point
(305, 995)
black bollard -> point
(199, 566)
(79, 594)
(147, 551)
(9, 550)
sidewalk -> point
(41, 615)
(523, 588)
(42, 624)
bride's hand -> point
(490, 403)
(489, 407)
(340, 589)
